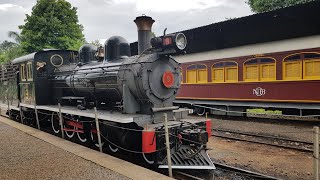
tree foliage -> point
(53, 24)
(6, 45)
(10, 50)
(259, 6)
(10, 53)
(96, 43)
(15, 35)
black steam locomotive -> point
(132, 94)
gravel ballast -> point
(294, 131)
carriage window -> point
(311, 56)
(268, 71)
(22, 72)
(224, 72)
(292, 70)
(311, 66)
(292, 67)
(259, 69)
(29, 71)
(217, 73)
(293, 58)
(202, 74)
(192, 74)
(266, 60)
(252, 61)
(231, 74)
(251, 69)
(197, 74)
(301, 66)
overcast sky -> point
(105, 18)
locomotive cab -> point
(34, 86)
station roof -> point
(291, 22)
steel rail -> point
(189, 176)
(264, 143)
(260, 135)
(256, 175)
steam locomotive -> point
(133, 95)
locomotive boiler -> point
(144, 84)
(131, 93)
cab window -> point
(22, 72)
(29, 71)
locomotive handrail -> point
(80, 73)
(86, 78)
(171, 108)
(106, 66)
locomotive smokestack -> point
(144, 24)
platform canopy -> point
(291, 22)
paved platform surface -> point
(27, 153)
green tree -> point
(6, 45)
(259, 6)
(10, 50)
(15, 35)
(96, 43)
(53, 24)
(153, 34)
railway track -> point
(184, 175)
(263, 139)
(222, 171)
(239, 172)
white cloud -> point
(175, 5)
(11, 16)
(6, 7)
(105, 18)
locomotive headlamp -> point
(174, 43)
(181, 41)
(178, 41)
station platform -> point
(27, 153)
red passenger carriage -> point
(269, 60)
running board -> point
(198, 160)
